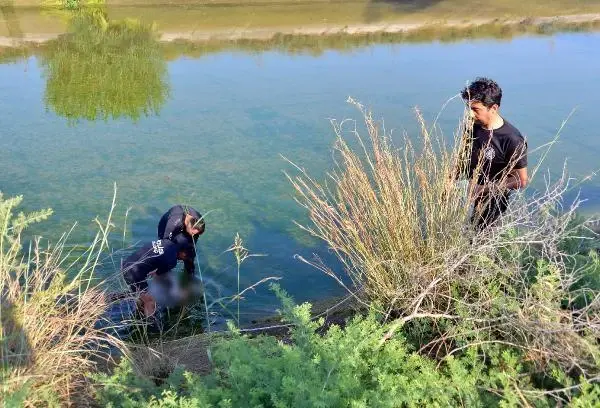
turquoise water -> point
(216, 141)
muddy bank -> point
(191, 352)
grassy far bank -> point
(280, 16)
(195, 30)
(316, 44)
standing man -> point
(498, 162)
(182, 225)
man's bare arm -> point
(515, 180)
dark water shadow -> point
(375, 9)
(408, 5)
(15, 353)
(15, 349)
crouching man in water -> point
(154, 259)
(498, 162)
(183, 225)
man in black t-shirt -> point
(182, 225)
(498, 162)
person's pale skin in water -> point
(155, 259)
(148, 302)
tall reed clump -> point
(399, 222)
(395, 217)
(49, 310)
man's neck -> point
(496, 123)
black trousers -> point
(488, 209)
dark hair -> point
(197, 221)
(483, 90)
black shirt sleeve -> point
(171, 227)
(160, 256)
(185, 243)
(189, 265)
(171, 223)
(516, 152)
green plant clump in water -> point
(103, 69)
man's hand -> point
(517, 179)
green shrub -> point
(344, 367)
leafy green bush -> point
(345, 367)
